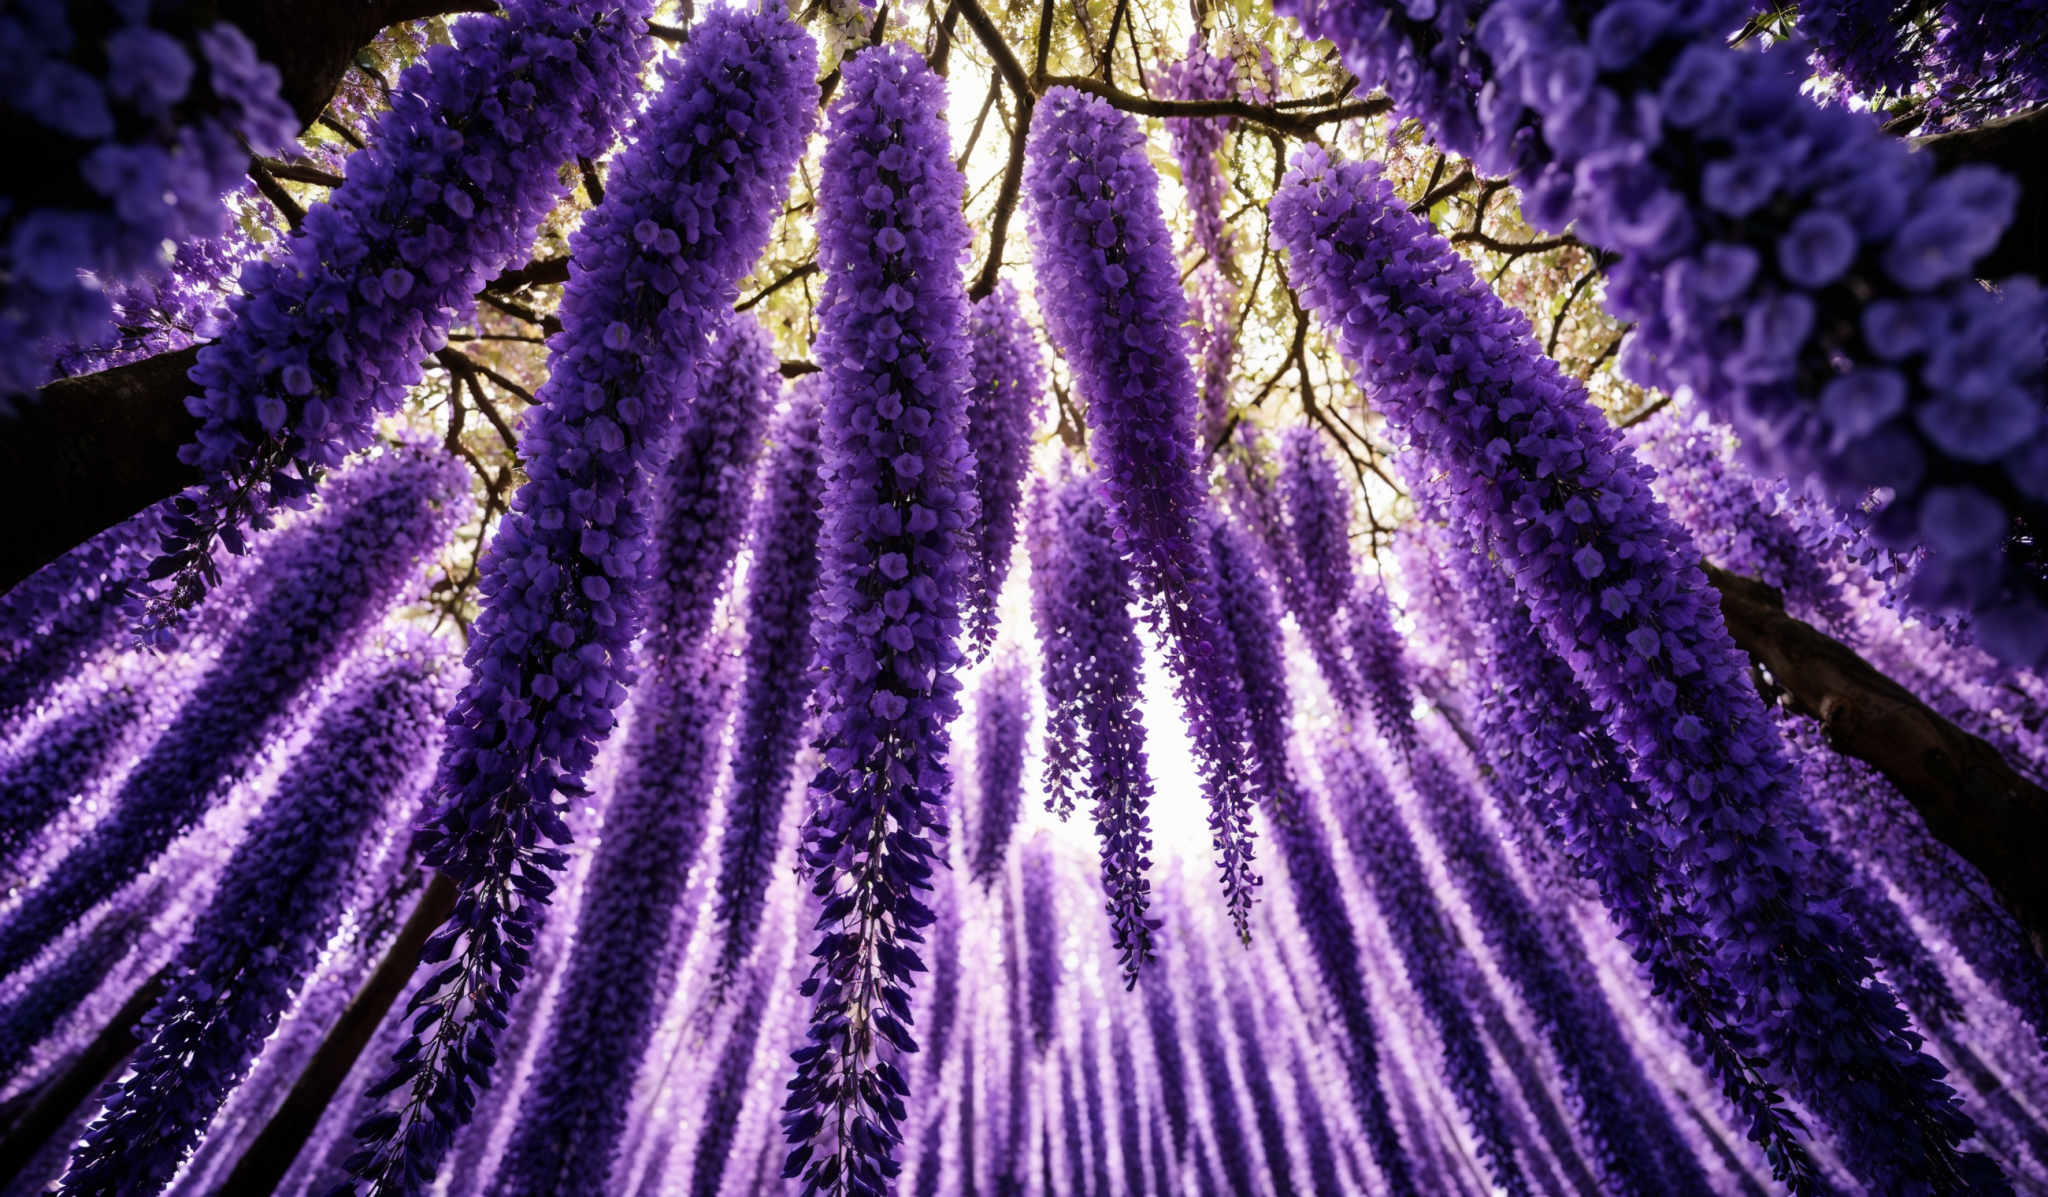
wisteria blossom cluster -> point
(1651, 740)
(1007, 374)
(330, 335)
(1805, 277)
(899, 513)
(277, 905)
(1114, 307)
(134, 128)
(685, 214)
(329, 580)
(1537, 468)
(768, 724)
(604, 1013)
(1094, 737)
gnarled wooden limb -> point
(1972, 799)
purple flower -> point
(895, 386)
(1093, 672)
(280, 899)
(140, 156)
(331, 578)
(768, 724)
(574, 1116)
(330, 334)
(1304, 844)
(1092, 196)
(1006, 388)
(548, 661)
(1002, 721)
(1722, 800)
(1439, 970)
(1841, 217)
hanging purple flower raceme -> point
(1258, 1084)
(1859, 807)
(1093, 666)
(1226, 1125)
(1041, 941)
(47, 602)
(1729, 514)
(33, 1012)
(1198, 142)
(1527, 461)
(687, 209)
(1110, 292)
(782, 585)
(1438, 969)
(1130, 1114)
(1171, 1063)
(64, 614)
(280, 899)
(1581, 1033)
(897, 537)
(64, 758)
(150, 118)
(1010, 1122)
(1197, 148)
(332, 333)
(573, 1114)
(948, 977)
(1806, 276)
(727, 1091)
(1006, 378)
(1254, 624)
(1002, 723)
(1314, 510)
(1585, 1041)
(1559, 758)
(1098, 1116)
(331, 579)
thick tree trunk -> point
(264, 1165)
(54, 1103)
(89, 453)
(311, 45)
(1971, 797)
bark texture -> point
(1971, 797)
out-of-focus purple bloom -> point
(280, 899)
(1006, 377)
(1041, 941)
(137, 124)
(1002, 721)
(332, 579)
(1439, 970)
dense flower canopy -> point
(637, 597)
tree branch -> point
(267, 1160)
(1972, 799)
(90, 452)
